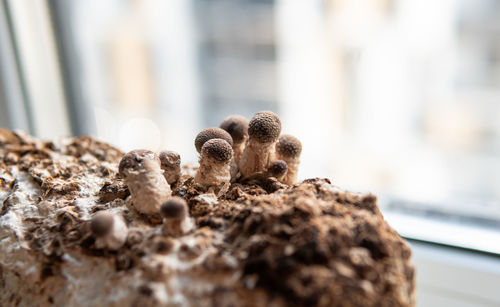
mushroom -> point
(289, 149)
(211, 133)
(263, 132)
(176, 220)
(171, 165)
(215, 158)
(144, 178)
(278, 169)
(109, 230)
(237, 127)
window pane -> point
(397, 97)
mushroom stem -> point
(293, 169)
(144, 177)
(256, 158)
(171, 165)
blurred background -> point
(400, 98)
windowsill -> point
(453, 277)
(454, 234)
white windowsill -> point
(449, 233)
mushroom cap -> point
(217, 150)
(101, 224)
(236, 126)
(169, 158)
(288, 146)
(135, 159)
(211, 133)
(174, 208)
(278, 168)
(264, 127)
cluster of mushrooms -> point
(238, 150)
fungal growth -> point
(278, 169)
(237, 127)
(209, 134)
(289, 149)
(143, 175)
(263, 132)
(171, 165)
(176, 220)
(109, 230)
(215, 158)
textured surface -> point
(262, 243)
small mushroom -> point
(289, 149)
(237, 127)
(171, 165)
(109, 230)
(278, 169)
(176, 220)
(263, 132)
(143, 175)
(215, 158)
(211, 133)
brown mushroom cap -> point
(174, 208)
(134, 159)
(264, 127)
(277, 168)
(288, 146)
(101, 224)
(211, 133)
(170, 158)
(218, 150)
(236, 126)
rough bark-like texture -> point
(264, 244)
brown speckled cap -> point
(277, 168)
(211, 133)
(170, 158)
(174, 208)
(264, 127)
(218, 150)
(236, 126)
(135, 158)
(288, 146)
(101, 224)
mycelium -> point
(215, 158)
(289, 149)
(263, 132)
(176, 220)
(109, 230)
(237, 127)
(141, 170)
(171, 165)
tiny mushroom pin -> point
(211, 133)
(176, 220)
(277, 169)
(109, 230)
(263, 132)
(215, 158)
(289, 149)
(143, 175)
(171, 165)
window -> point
(395, 97)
